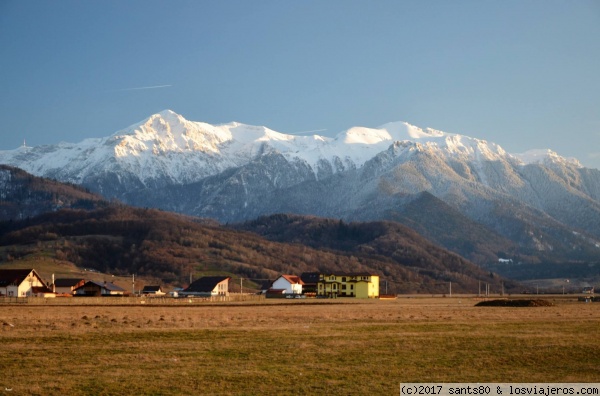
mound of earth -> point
(515, 303)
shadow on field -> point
(515, 303)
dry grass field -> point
(292, 347)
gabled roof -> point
(106, 285)
(14, 276)
(67, 282)
(206, 284)
(293, 279)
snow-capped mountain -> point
(168, 149)
(235, 172)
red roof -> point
(293, 279)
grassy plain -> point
(292, 347)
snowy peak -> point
(387, 133)
(546, 157)
(447, 144)
(168, 131)
(168, 148)
(406, 131)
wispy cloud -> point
(140, 88)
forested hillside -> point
(23, 195)
(124, 240)
(391, 243)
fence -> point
(141, 300)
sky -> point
(521, 73)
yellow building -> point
(352, 284)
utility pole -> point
(133, 284)
(450, 289)
(241, 286)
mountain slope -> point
(23, 195)
(121, 240)
(547, 205)
(390, 242)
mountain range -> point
(466, 194)
(72, 230)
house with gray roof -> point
(208, 286)
(93, 288)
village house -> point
(208, 286)
(67, 285)
(93, 288)
(290, 284)
(23, 283)
(310, 280)
(351, 284)
(153, 291)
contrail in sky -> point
(140, 88)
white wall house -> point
(208, 286)
(292, 284)
(22, 283)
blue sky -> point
(523, 74)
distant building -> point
(351, 284)
(588, 290)
(208, 286)
(23, 283)
(153, 291)
(67, 285)
(291, 284)
(93, 288)
(310, 280)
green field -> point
(344, 348)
